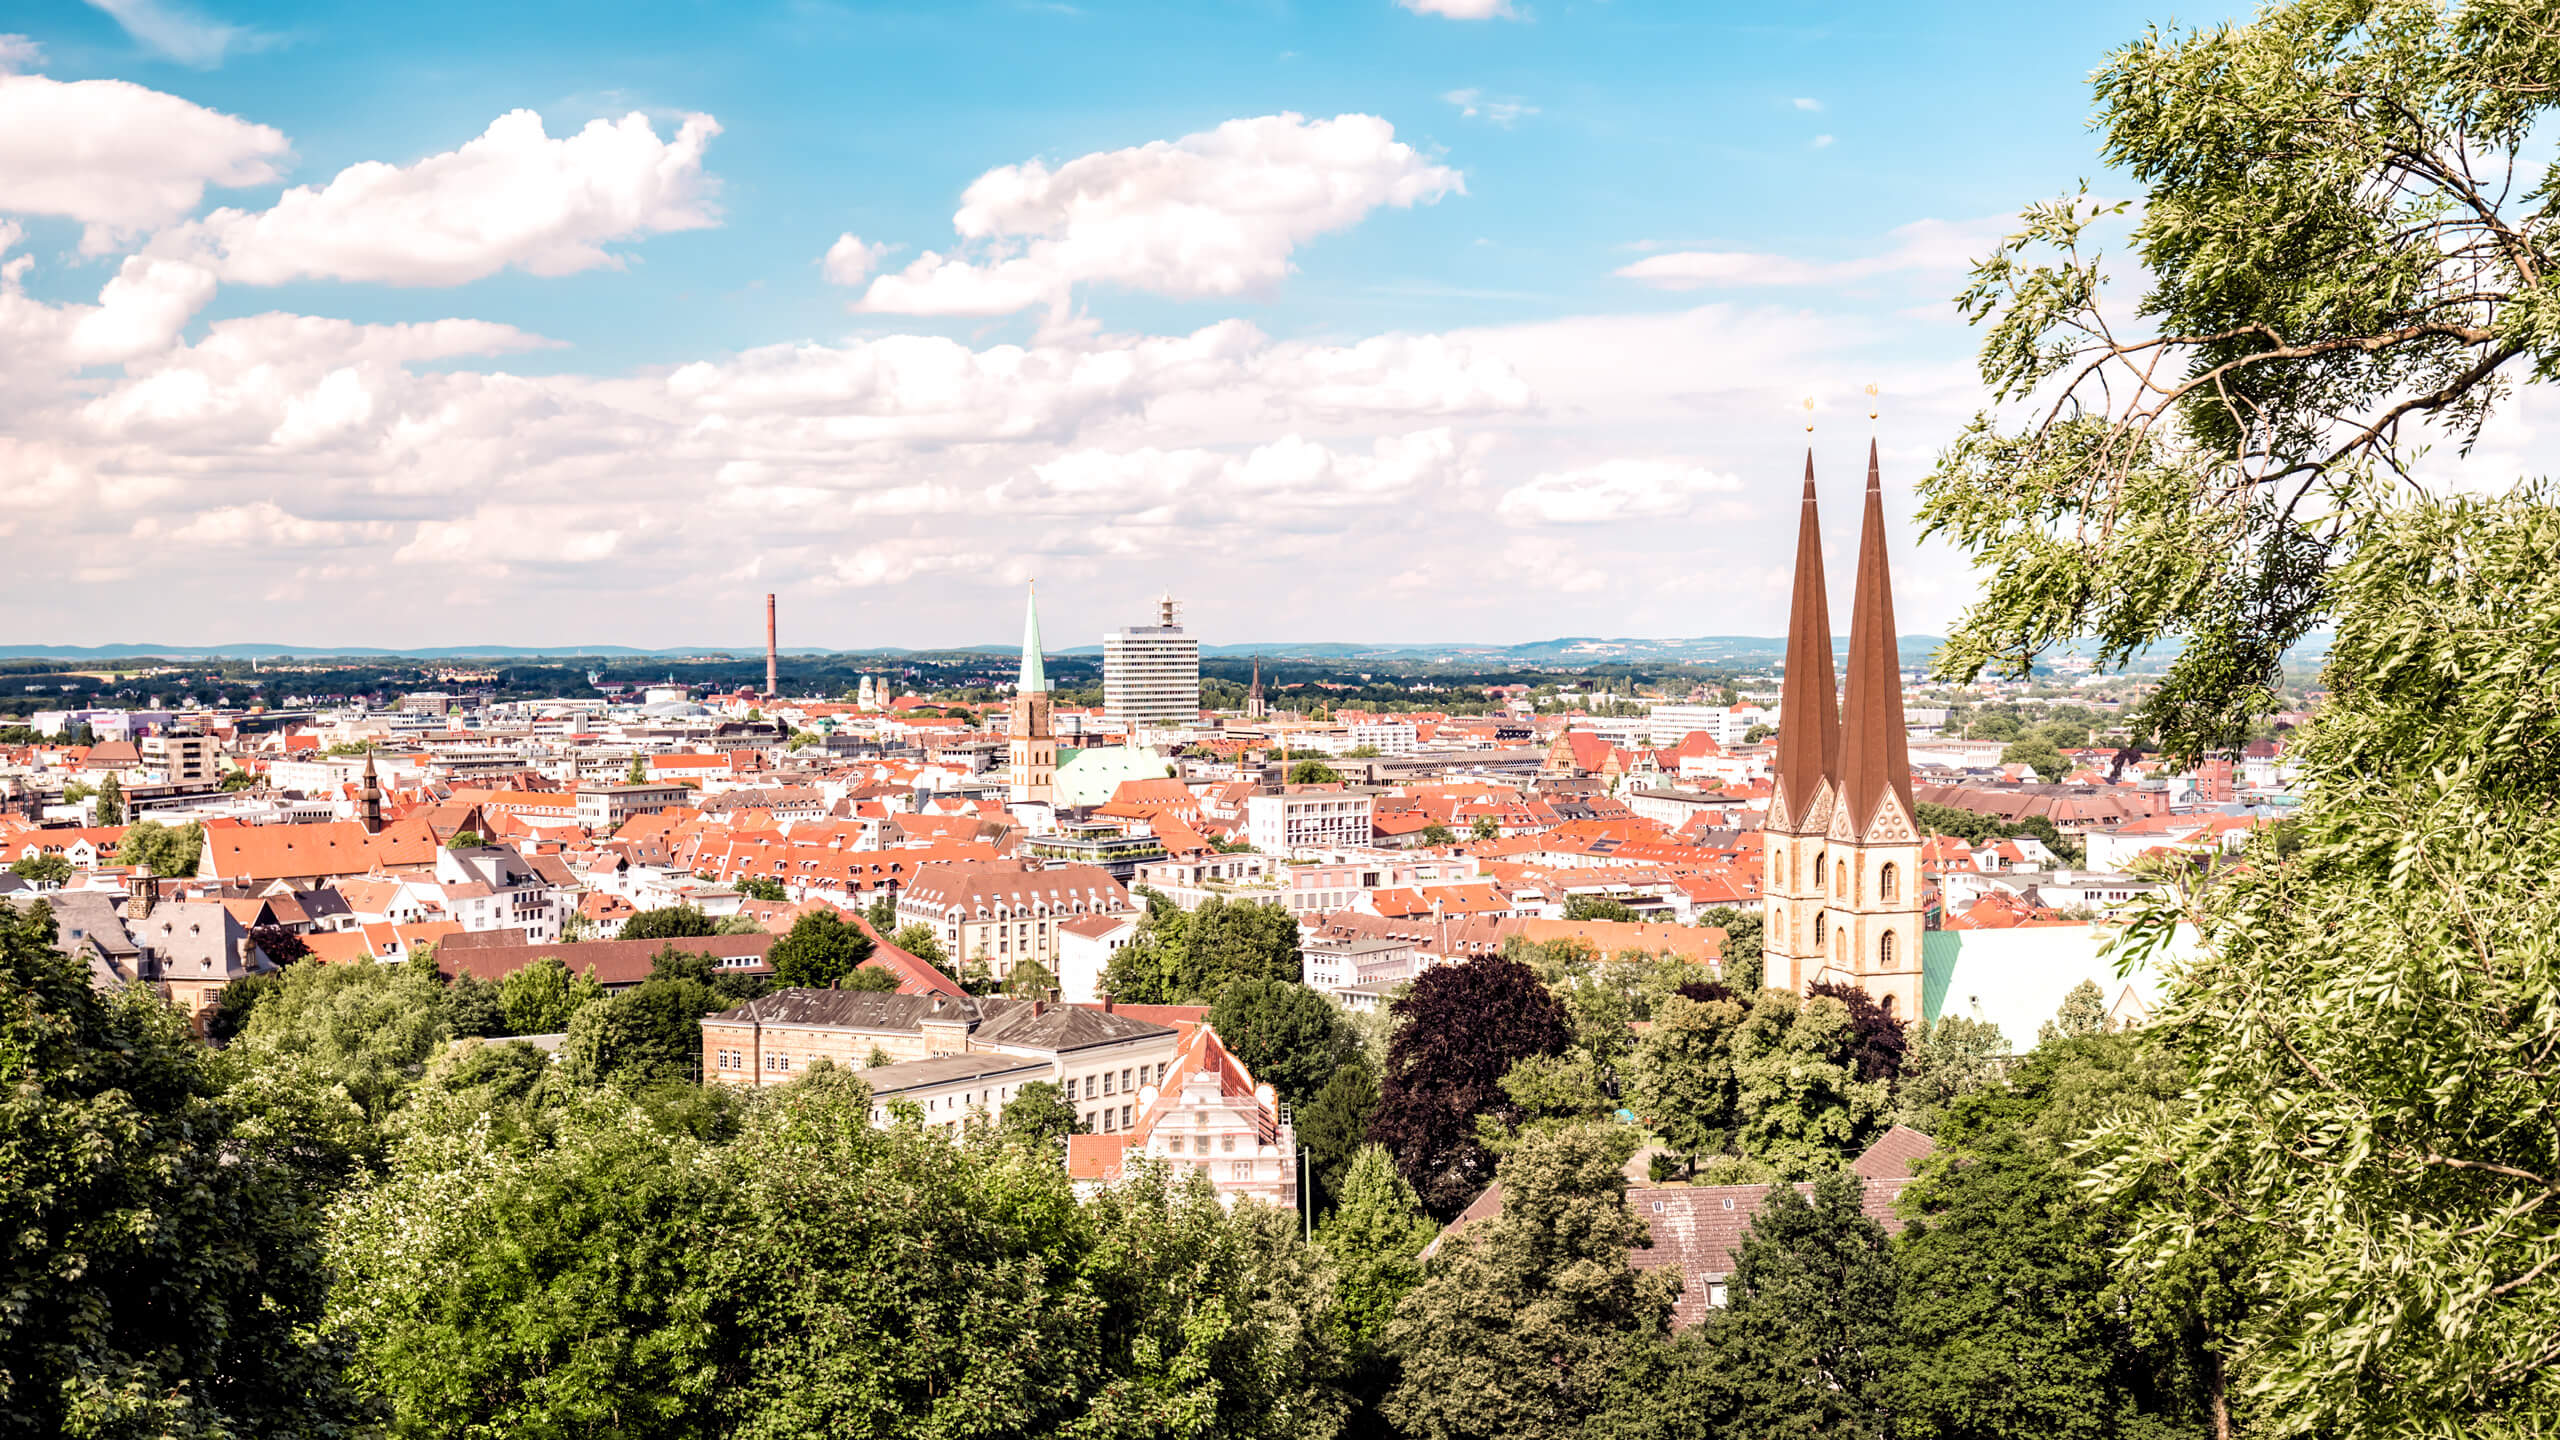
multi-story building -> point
(183, 759)
(1309, 819)
(1101, 1060)
(998, 913)
(1151, 673)
(1209, 1116)
(491, 887)
(602, 807)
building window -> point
(1818, 861)
(1173, 1146)
(1106, 1083)
(1889, 883)
(1124, 1081)
(1227, 1143)
(1071, 1087)
(1884, 953)
(1821, 929)
(1244, 1170)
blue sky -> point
(1408, 394)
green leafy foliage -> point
(543, 997)
(2366, 1132)
(2336, 242)
(1518, 1326)
(367, 1030)
(162, 1266)
(1183, 957)
(672, 922)
(43, 869)
(1314, 772)
(1335, 1125)
(822, 949)
(1597, 907)
(1683, 1082)
(1292, 1038)
(167, 849)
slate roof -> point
(907, 1075)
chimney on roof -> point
(1109, 1005)
(772, 671)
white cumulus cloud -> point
(178, 33)
(1215, 213)
(1613, 490)
(120, 158)
(512, 197)
(19, 52)
(850, 262)
(1462, 9)
(1922, 245)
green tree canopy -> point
(1187, 958)
(1517, 1327)
(163, 1262)
(1314, 772)
(1292, 1038)
(671, 922)
(1335, 1125)
(1683, 1082)
(542, 998)
(367, 1029)
(43, 869)
(1460, 1030)
(110, 808)
(167, 849)
(2341, 245)
(1807, 1344)
(822, 949)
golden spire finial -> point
(1808, 414)
(1872, 404)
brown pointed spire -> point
(1875, 759)
(1808, 706)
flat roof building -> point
(1151, 673)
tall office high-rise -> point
(1151, 673)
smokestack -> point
(772, 670)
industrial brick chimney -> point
(772, 668)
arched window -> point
(1888, 1000)
(1884, 951)
(1817, 869)
(1889, 883)
(1820, 929)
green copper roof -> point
(1035, 676)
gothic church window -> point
(1889, 884)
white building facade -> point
(1151, 673)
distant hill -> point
(1570, 650)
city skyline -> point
(1512, 326)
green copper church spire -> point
(1035, 676)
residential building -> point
(491, 887)
(951, 1092)
(186, 951)
(602, 807)
(1151, 673)
(1209, 1116)
(998, 913)
(1100, 1060)
(1086, 944)
(1306, 818)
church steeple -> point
(1874, 757)
(1035, 674)
(1808, 705)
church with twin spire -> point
(1841, 884)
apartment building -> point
(998, 913)
(1309, 819)
(1151, 673)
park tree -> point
(1371, 1245)
(2016, 1314)
(649, 1034)
(163, 1260)
(42, 869)
(2083, 1012)
(876, 978)
(1335, 1125)
(543, 997)
(1183, 957)
(1038, 1115)
(2038, 754)
(1876, 1040)
(2341, 254)
(1742, 936)
(1518, 1326)
(2371, 1096)
(1681, 1078)
(1314, 772)
(366, 1030)
(1949, 1057)
(669, 922)
(110, 806)
(1292, 1038)
(1800, 1107)
(917, 939)
(166, 849)
(1806, 1345)
(821, 950)
(1460, 1030)
(1436, 834)
(548, 1280)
